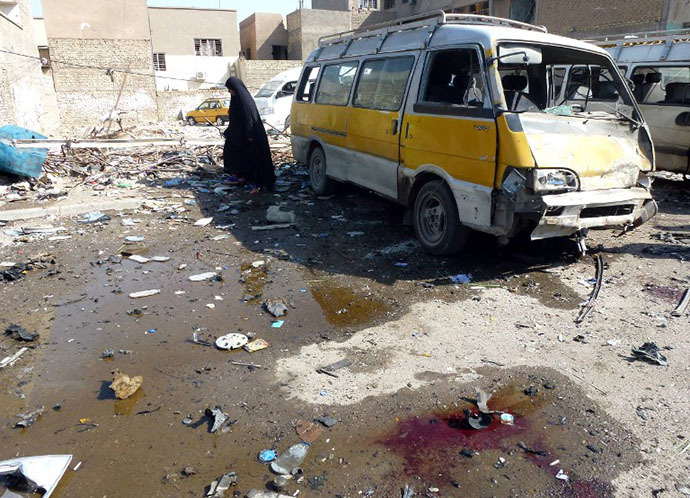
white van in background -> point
(275, 98)
(658, 64)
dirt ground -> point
(358, 287)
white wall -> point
(185, 67)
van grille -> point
(595, 212)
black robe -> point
(246, 153)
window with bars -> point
(159, 62)
(208, 47)
(368, 4)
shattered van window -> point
(382, 83)
(455, 77)
(336, 82)
(306, 84)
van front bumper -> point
(566, 214)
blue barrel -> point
(20, 162)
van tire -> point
(436, 221)
(191, 121)
(320, 183)
(287, 124)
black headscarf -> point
(247, 153)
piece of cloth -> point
(246, 153)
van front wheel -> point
(436, 221)
(320, 183)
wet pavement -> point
(335, 284)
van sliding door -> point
(374, 123)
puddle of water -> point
(547, 288)
(342, 306)
(254, 280)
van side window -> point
(336, 82)
(306, 85)
(382, 83)
(455, 77)
(665, 85)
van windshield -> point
(269, 89)
(567, 82)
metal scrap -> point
(589, 304)
(682, 305)
(650, 352)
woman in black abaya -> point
(246, 154)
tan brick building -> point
(95, 42)
(263, 36)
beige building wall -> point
(260, 32)
(27, 98)
(92, 45)
(678, 14)
(306, 26)
(173, 29)
(96, 19)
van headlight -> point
(553, 180)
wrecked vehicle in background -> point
(468, 121)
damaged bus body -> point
(469, 121)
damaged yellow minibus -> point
(475, 122)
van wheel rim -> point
(317, 171)
(432, 218)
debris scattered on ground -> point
(650, 352)
(8, 361)
(220, 486)
(326, 420)
(532, 451)
(256, 345)
(146, 293)
(286, 462)
(588, 306)
(31, 474)
(28, 419)
(329, 369)
(478, 421)
(275, 307)
(231, 341)
(257, 493)
(203, 222)
(682, 305)
(275, 215)
(108, 353)
(266, 456)
(562, 475)
(217, 416)
(196, 340)
(203, 276)
(461, 278)
(20, 333)
(125, 386)
(482, 399)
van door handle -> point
(407, 130)
(394, 130)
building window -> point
(477, 8)
(523, 10)
(279, 52)
(368, 4)
(159, 62)
(208, 47)
(388, 4)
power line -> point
(107, 69)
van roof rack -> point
(640, 37)
(428, 19)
